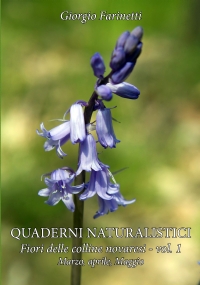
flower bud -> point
(131, 44)
(105, 92)
(77, 124)
(97, 64)
(118, 58)
(137, 32)
(125, 90)
(133, 57)
(122, 39)
(121, 74)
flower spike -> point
(79, 130)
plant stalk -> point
(79, 205)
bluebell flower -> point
(59, 188)
(109, 196)
(125, 90)
(98, 65)
(104, 128)
(111, 205)
(59, 182)
(88, 159)
(56, 137)
(77, 124)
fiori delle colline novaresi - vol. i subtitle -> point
(103, 15)
(108, 232)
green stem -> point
(77, 223)
(79, 205)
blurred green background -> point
(46, 69)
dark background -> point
(45, 69)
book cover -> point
(47, 48)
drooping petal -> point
(103, 209)
(69, 203)
(113, 206)
(44, 133)
(75, 189)
(104, 128)
(49, 145)
(77, 124)
(124, 90)
(44, 192)
(105, 206)
(54, 198)
(90, 190)
(59, 151)
(102, 184)
(88, 156)
(113, 189)
(88, 193)
(121, 201)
